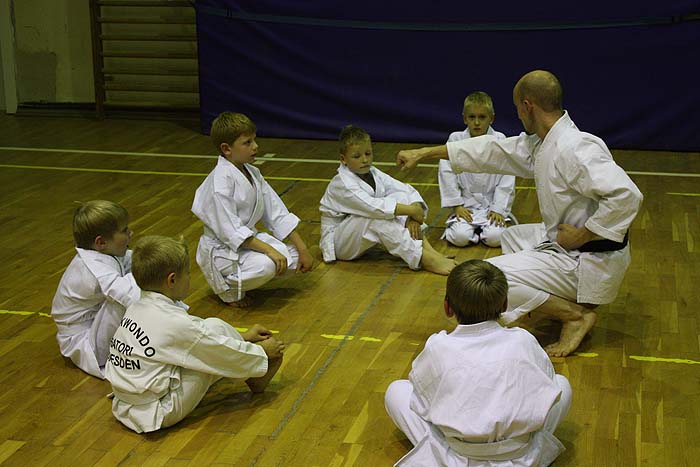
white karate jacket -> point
(93, 286)
(486, 390)
(491, 192)
(155, 340)
(577, 182)
(348, 195)
(230, 208)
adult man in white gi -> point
(576, 259)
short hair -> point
(478, 98)
(97, 218)
(228, 126)
(350, 135)
(476, 291)
(155, 256)
(543, 88)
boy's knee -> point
(396, 392)
(491, 238)
(461, 234)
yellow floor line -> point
(374, 339)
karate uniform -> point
(478, 192)
(355, 217)
(481, 396)
(230, 207)
(164, 360)
(90, 301)
(577, 183)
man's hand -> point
(463, 213)
(414, 228)
(408, 158)
(571, 238)
(496, 219)
(256, 334)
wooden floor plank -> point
(351, 327)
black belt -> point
(598, 246)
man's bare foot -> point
(434, 262)
(245, 302)
(258, 385)
(572, 333)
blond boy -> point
(481, 202)
(482, 395)
(233, 255)
(96, 287)
(163, 360)
(363, 207)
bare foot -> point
(572, 333)
(245, 302)
(258, 385)
(434, 262)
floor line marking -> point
(193, 174)
(275, 159)
(344, 338)
(264, 158)
(185, 156)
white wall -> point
(53, 52)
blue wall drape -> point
(401, 71)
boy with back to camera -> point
(363, 207)
(234, 257)
(481, 203)
(97, 286)
(482, 395)
(163, 360)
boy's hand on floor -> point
(256, 334)
(273, 347)
(306, 262)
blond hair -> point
(350, 135)
(478, 98)
(228, 126)
(97, 218)
(476, 291)
(155, 257)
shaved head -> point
(541, 88)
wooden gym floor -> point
(350, 327)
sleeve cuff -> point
(603, 232)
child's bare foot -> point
(258, 385)
(245, 302)
(435, 262)
(572, 333)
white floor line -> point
(271, 157)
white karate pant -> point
(462, 233)
(356, 234)
(397, 402)
(195, 384)
(87, 343)
(534, 274)
(256, 269)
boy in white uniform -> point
(483, 395)
(96, 287)
(363, 207)
(234, 197)
(481, 201)
(162, 359)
